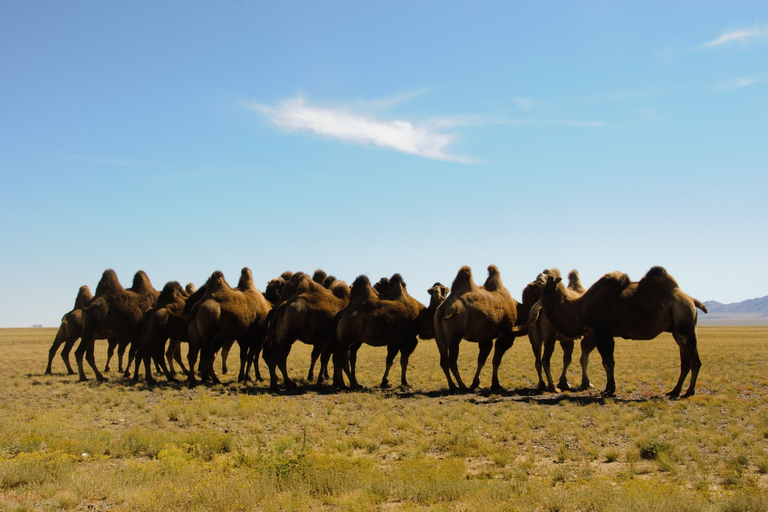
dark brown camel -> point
(615, 306)
(307, 317)
(162, 322)
(389, 320)
(114, 312)
(541, 333)
(480, 314)
(225, 313)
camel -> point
(541, 333)
(616, 306)
(306, 316)
(116, 312)
(389, 319)
(478, 314)
(69, 331)
(222, 314)
(161, 322)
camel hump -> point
(618, 279)
(246, 280)
(574, 282)
(360, 289)
(83, 296)
(340, 289)
(658, 280)
(108, 284)
(463, 282)
(171, 291)
(217, 282)
(493, 283)
(141, 282)
(320, 276)
(190, 288)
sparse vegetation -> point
(66, 445)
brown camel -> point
(70, 330)
(615, 306)
(225, 313)
(116, 312)
(307, 316)
(541, 333)
(389, 320)
(478, 314)
(162, 322)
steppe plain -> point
(66, 445)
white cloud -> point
(737, 84)
(741, 36)
(343, 124)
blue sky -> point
(380, 137)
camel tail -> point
(700, 305)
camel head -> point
(438, 292)
(548, 280)
(171, 291)
(190, 288)
(274, 289)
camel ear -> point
(558, 279)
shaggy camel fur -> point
(388, 320)
(615, 306)
(478, 314)
(307, 316)
(115, 312)
(225, 313)
(541, 333)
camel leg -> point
(225, 354)
(65, 355)
(549, 348)
(453, 363)
(316, 351)
(392, 351)
(57, 341)
(121, 346)
(340, 359)
(283, 365)
(110, 352)
(567, 347)
(689, 362)
(328, 351)
(442, 348)
(89, 356)
(406, 349)
(170, 354)
(484, 349)
(605, 345)
(587, 346)
(535, 337)
(353, 366)
(177, 357)
(502, 345)
(245, 352)
(270, 356)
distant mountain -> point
(747, 312)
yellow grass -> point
(66, 445)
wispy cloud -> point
(425, 140)
(741, 36)
(737, 84)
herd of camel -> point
(336, 319)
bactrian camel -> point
(615, 306)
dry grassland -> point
(66, 445)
